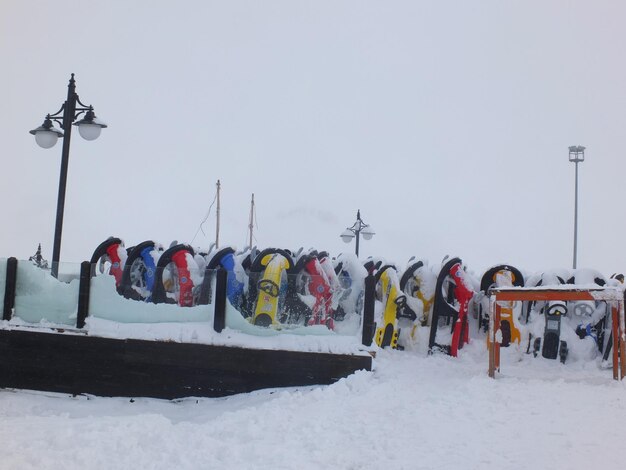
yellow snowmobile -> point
(418, 283)
(389, 293)
(272, 266)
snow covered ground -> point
(411, 412)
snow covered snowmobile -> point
(549, 278)
(351, 276)
(226, 259)
(418, 283)
(551, 344)
(109, 258)
(337, 292)
(502, 275)
(547, 334)
(393, 301)
(453, 293)
(175, 274)
(268, 280)
(589, 316)
(140, 270)
(312, 283)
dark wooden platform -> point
(81, 364)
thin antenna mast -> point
(217, 225)
(251, 225)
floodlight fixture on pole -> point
(46, 136)
(358, 228)
(576, 155)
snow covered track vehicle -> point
(268, 283)
(452, 295)
(418, 283)
(590, 317)
(545, 321)
(109, 257)
(140, 271)
(312, 282)
(351, 277)
(550, 344)
(502, 275)
(224, 258)
(393, 301)
(175, 271)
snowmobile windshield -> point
(557, 309)
(400, 300)
(269, 287)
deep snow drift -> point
(412, 412)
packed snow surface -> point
(412, 412)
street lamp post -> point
(46, 136)
(358, 228)
(576, 155)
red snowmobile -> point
(452, 296)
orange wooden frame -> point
(612, 295)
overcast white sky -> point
(447, 123)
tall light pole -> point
(46, 136)
(576, 155)
(358, 228)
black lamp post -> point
(358, 228)
(47, 135)
(576, 155)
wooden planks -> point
(76, 364)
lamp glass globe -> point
(89, 131)
(347, 236)
(46, 139)
(367, 233)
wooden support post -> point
(9, 288)
(490, 336)
(497, 337)
(494, 345)
(219, 315)
(369, 302)
(83, 293)
(616, 341)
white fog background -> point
(447, 123)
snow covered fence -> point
(81, 336)
(37, 298)
(32, 295)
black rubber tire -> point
(487, 280)
(256, 265)
(550, 348)
(299, 266)
(263, 320)
(381, 270)
(216, 260)
(563, 351)
(408, 274)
